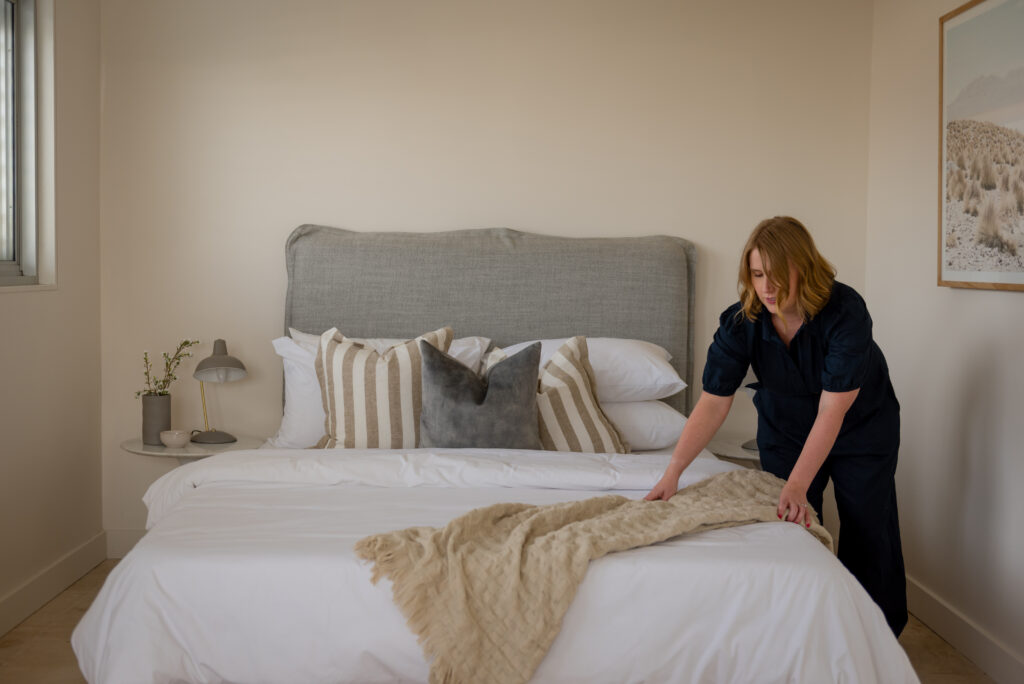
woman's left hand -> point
(793, 504)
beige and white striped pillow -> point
(372, 400)
(569, 414)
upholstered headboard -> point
(503, 284)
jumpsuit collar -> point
(769, 334)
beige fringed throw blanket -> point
(486, 594)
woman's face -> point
(766, 290)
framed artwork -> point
(981, 146)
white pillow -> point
(646, 425)
(624, 370)
(304, 340)
(302, 424)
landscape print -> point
(981, 226)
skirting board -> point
(120, 542)
(997, 660)
(36, 592)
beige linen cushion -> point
(569, 414)
(372, 399)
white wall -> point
(51, 528)
(227, 124)
(955, 357)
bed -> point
(247, 572)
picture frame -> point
(981, 146)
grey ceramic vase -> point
(156, 417)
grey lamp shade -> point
(219, 367)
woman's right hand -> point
(665, 489)
(708, 415)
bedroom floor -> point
(38, 651)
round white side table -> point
(190, 451)
(735, 453)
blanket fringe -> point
(441, 673)
(379, 551)
(389, 554)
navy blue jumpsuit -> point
(834, 351)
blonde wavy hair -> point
(782, 241)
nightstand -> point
(190, 451)
(732, 451)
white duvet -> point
(247, 575)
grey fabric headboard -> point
(503, 284)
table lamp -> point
(218, 367)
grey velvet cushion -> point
(463, 409)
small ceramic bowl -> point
(174, 439)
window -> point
(26, 130)
(8, 220)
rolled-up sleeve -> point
(849, 347)
(728, 355)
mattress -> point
(247, 574)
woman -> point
(825, 405)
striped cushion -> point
(372, 400)
(569, 414)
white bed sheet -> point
(247, 574)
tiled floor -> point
(38, 651)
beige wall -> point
(227, 124)
(955, 357)
(50, 489)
